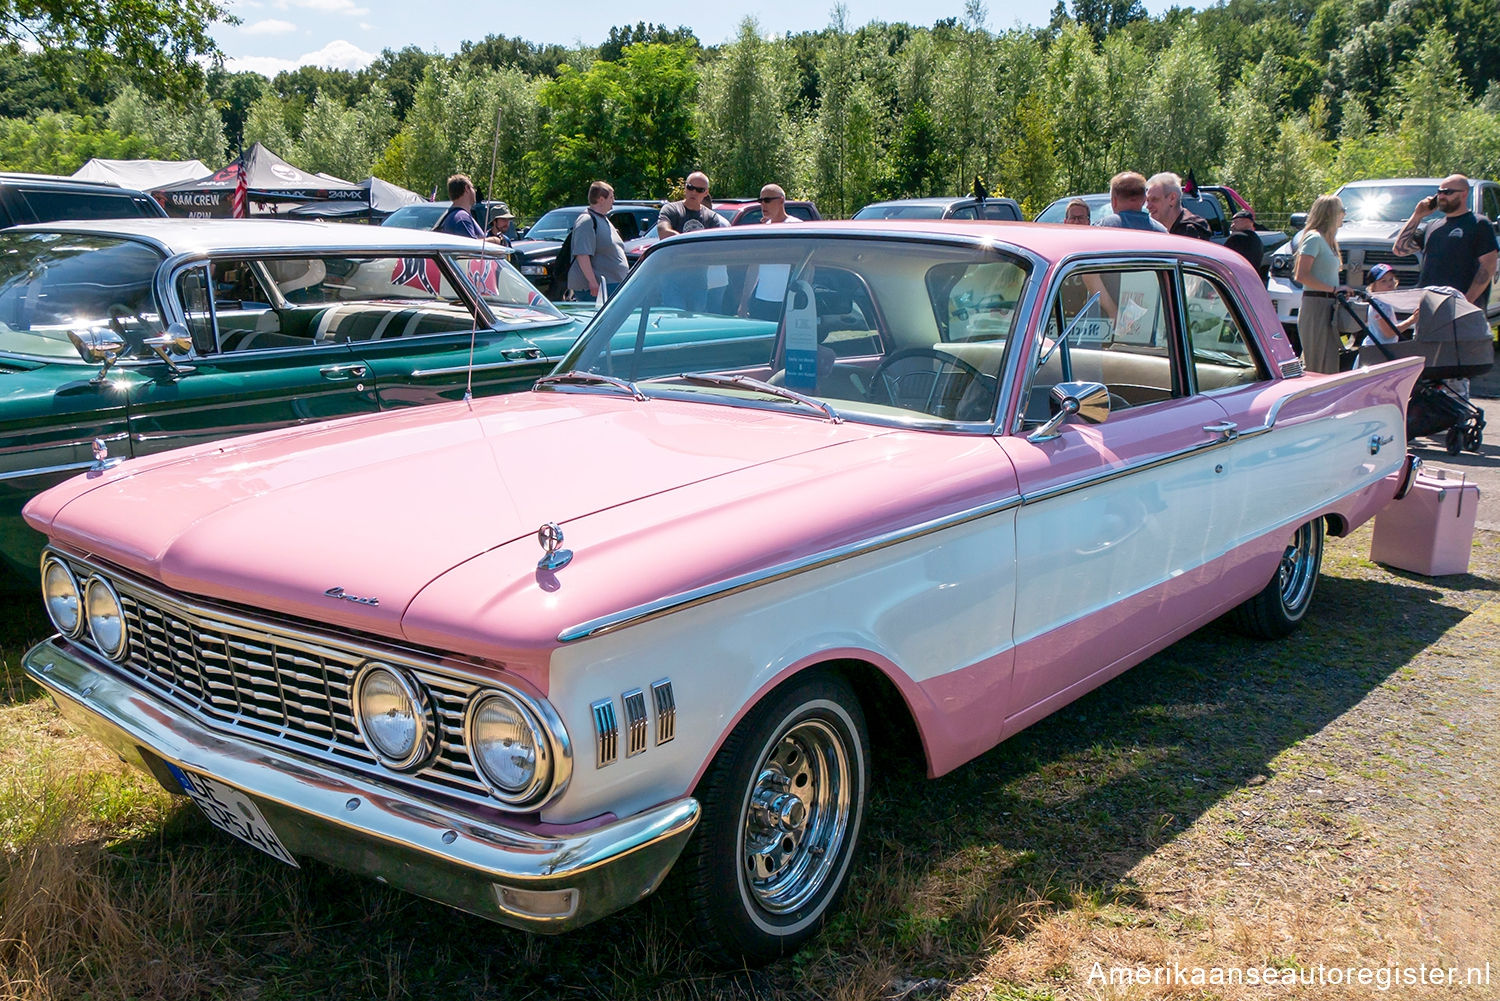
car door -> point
(258, 364)
(1119, 520)
(1277, 425)
(442, 348)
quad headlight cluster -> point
(93, 605)
(506, 740)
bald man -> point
(690, 213)
(1459, 250)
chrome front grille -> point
(278, 685)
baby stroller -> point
(1452, 338)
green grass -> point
(958, 877)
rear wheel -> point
(783, 806)
(1282, 603)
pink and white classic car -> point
(883, 488)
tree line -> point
(1283, 99)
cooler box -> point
(1431, 530)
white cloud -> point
(366, 26)
(270, 26)
(326, 6)
(338, 55)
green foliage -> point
(844, 166)
(742, 127)
(629, 122)
(622, 37)
(155, 43)
(1431, 95)
(59, 142)
(192, 131)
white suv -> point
(1374, 212)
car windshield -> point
(51, 283)
(1382, 203)
(416, 216)
(922, 210)
(512, 298)
(554, 225)
(881, 330)
(1098, 208)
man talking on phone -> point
(1460, 249)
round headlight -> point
(106, 619)
(508, 747)
(392, 712)
(60, 593)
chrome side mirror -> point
(176, 340)
(98, 344)
(1088, 401)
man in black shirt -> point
(1244, 241)
(1164, 202)
(1460, 249)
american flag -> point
(418, 272)
(241, 207)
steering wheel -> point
(924, 379)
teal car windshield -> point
(879, 328)
(53, 283)
(510, 297)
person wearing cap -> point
(1244, 241)
(500, 224)
(1383, 278)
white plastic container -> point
(1430, 531)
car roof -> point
(204, 236)
(1050, 242)
(55, 181)
(940, 200)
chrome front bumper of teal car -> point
(539, 882)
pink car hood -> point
(275, 521)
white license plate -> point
(232, 811)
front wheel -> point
(1280, 605)
(783, 806)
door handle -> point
(343, 373)
(1227, 430)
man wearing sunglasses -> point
(693, 292)
(689, 214)
(1460, 249)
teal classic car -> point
(126, 337)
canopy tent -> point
(268, 180)
(142, 174)
(383, 199)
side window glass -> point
(1222, 357)
(1123, 340)
(625, 224)
(1490, 205)
(966, 212)
(999, 210)
(194, 292)
(846, 314)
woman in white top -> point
(1316, 269)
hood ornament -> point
(550, 538)
(342, 595)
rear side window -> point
(1490, 202)
(51, 205)
(1001, 210)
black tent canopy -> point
(268, 179)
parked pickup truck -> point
(1374, 212)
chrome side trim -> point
(66, 467)
(666, 710)
(423, 373)
(635, 722)
(606, 732)
(756, 578)
(709, 592)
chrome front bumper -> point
(534, 881)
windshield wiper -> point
(745, 382)
(595, 378)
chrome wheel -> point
(1298, 573)
(796, 817)
(783, 804)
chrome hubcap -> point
(1299, 568)
(796, 816)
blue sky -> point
(347, 34)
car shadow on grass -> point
(1054, 817)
